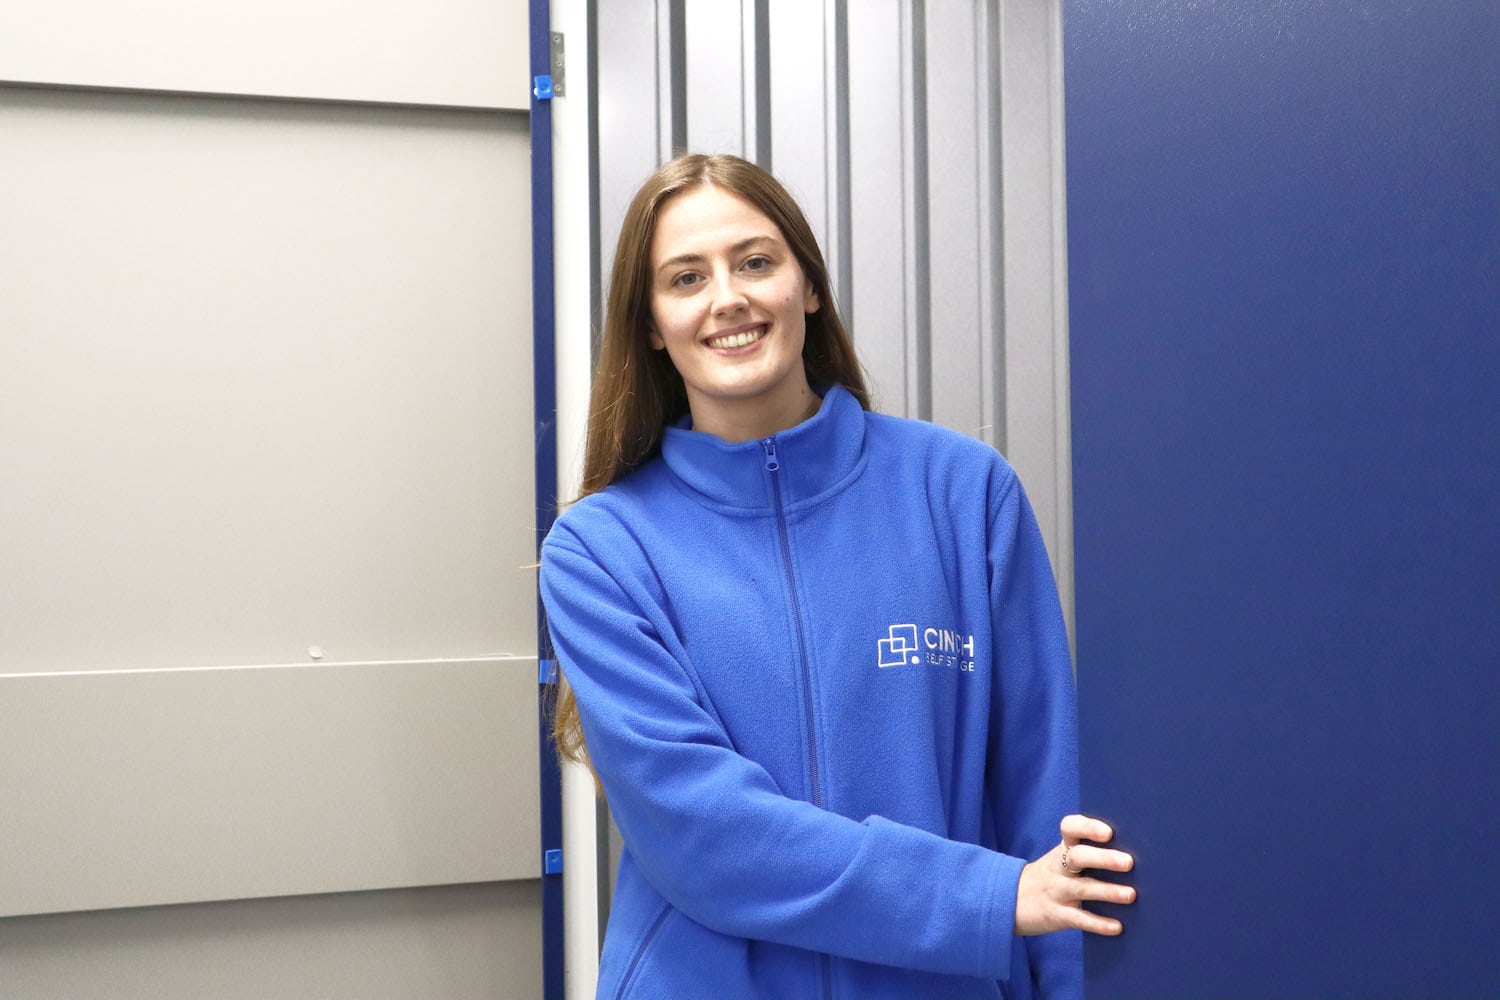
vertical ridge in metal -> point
(757, 111)
(840, 207)
(544, 396)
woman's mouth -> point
(729, 341)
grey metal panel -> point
(798, 111)
(1035, 273)
(916, 244)
(716, 84)
(956, 233)
(264, 382)
(755, 46)
(838, 164)
(135, 788)
(924, 140)
(670, 64)
(882, 309)
(989, 213)
(470, 53)
(438, 943)
(628, 110)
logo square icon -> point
(900, 648)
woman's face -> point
(729, 304)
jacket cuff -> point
(999, 938)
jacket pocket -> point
(653, 931)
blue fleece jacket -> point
(825, 682)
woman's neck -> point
(751, 420)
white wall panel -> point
(468, 53)
(146, 787)
(264, 383)
(436, 943)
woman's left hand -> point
(1054, 887)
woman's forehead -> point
(708, 218)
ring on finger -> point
(1067, 868)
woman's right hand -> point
(1054, 887)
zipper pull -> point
(769, 444)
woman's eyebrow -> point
(693, 258)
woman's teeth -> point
(737, 339)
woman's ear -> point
(810, 301)
(657, 344)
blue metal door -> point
(1284, 233)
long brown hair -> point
(636, 391)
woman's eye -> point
(757, 263)
(686, 280)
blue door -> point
(1284, 238)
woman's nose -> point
(728, 296)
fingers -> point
(1052, 903)
(1071, 914)
(1076, 828)
(1075, 889)
(1089, 890)
(1080, 856)
(1051, 897)
(1093, 923)
(1083, 856)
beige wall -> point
(267, 671)
(458, 942)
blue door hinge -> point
(552, 862)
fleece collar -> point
(816, 457)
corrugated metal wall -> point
(924, 140)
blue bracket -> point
(552, 862)
(542, 87)
(546, 671)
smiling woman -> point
(637, 391)
(729, 309)
(804, 812)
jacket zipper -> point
(640, 951)
(773, 466)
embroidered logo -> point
(900, 648)
(908, 646)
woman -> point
(816, 652)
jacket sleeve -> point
(1033, 765)
(711, 832)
